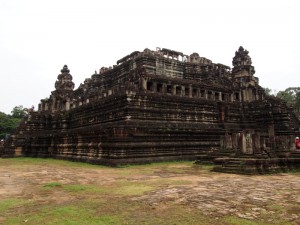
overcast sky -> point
(38, 37)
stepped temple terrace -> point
(163, 105)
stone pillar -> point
(57, 105)
(228, 141)
(271, 132)
(67, 105)
(243, 143)
(144, 84)
(53, 105)
(256, 141)
(237, 143)
(164, 88)
(246, 143)
(173, 89)
(292, 142)
(213, 97)
(154, 86)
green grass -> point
(277, 208)
(274, 214)
(64, 215)
(232, 220)
(157, 164)
(21, 161)
(172, 166)
(130, 188)
(10, 203)
(296, 171)
(169, 182)
(52, 185)
(83, 188)
(74, 187)
(109, 211)
(116, 199)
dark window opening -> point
(149, 86)
(194, 92)
(237, 96)
(159, 88)
(223, 97)
(217, 96)
(209, 95)
(178, 90)
(202, 93)
(169, 89)
(187, 91)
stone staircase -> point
(250, 166)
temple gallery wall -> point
(158, 106)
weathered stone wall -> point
(153, 106)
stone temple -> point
(162, 105)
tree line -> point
(8, 122)
(291, 95)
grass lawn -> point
(49, 191)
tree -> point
(19, 112)
(268, 91)
(7, 124)
(292, 96)
(297, 103)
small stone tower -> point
(243, 73)
(64, 80)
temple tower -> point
(243, 73)
(64, 80)
(61, 97)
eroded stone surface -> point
(157, 106)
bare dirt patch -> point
(268, 199)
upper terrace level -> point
(162, 71)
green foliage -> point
(7, 124)
(19, 112)
(268, 91)
(292, 96)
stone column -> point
(67, 105)
(271, 136)
(53, 104)
(144, 84)
(256, 139)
